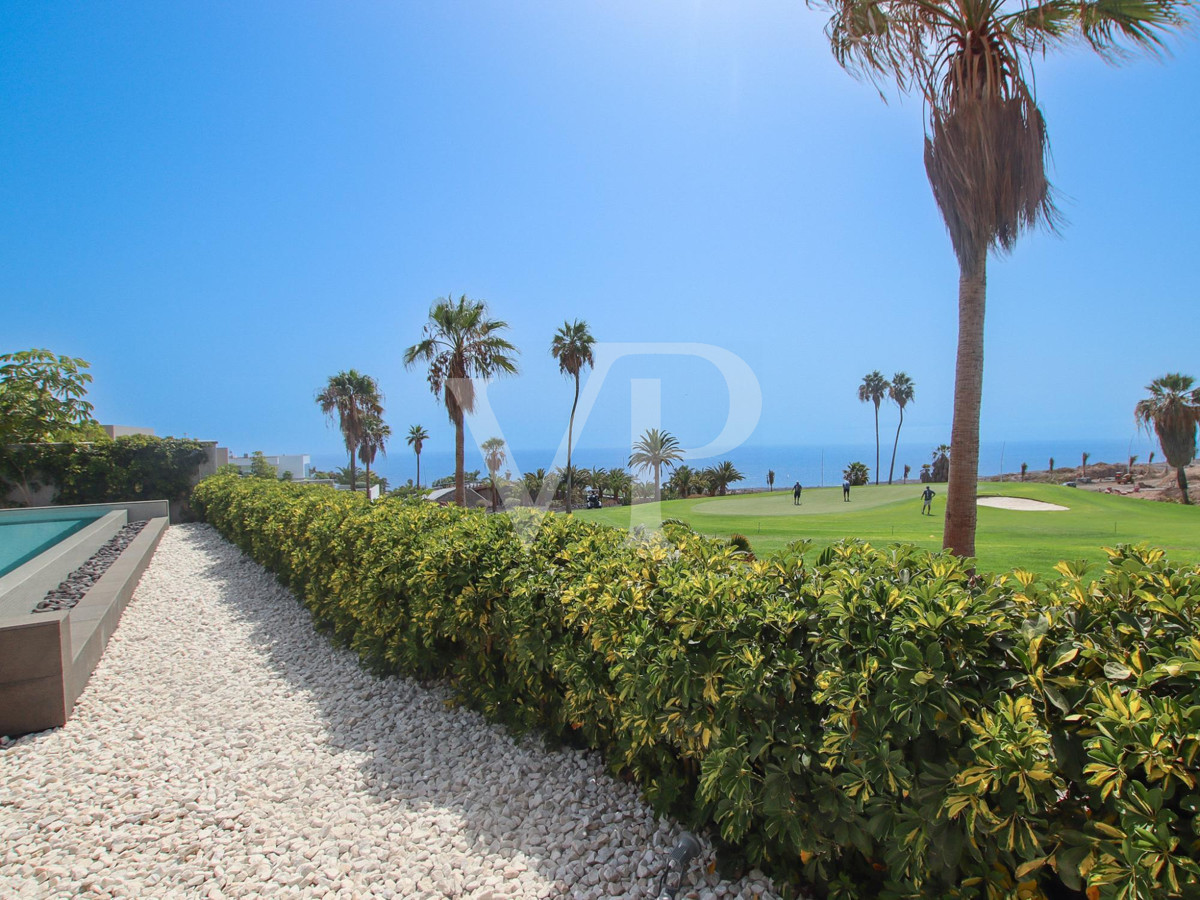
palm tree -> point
(1173, 410)
(873, 389)
(907, 469)
(417, 438)
(654, 450)
(681, 481)
(770, 479)
(572, 347)
(461, 344)
(1052, 467)
(724, 474)
(619, 482)
(375, 435)
(493, 457)
(352, 397)
(900, 392)
(856, 473)
(1086, 457)
(985, 145)
(1024, 469)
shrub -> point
(133, 467)
(875, 723)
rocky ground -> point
(79, 582)
(223, 749)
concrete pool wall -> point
(46, 658)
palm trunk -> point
(460, 488)
(570, 434)
(876, 443)
(368, 467)
(895, 444)
(418, 468)
(958, 535)
(1181, 479)
(353, 473)
(657, 495)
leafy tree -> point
(873, 389)
(907, 469)
(352, 397)
(857, 473)
(493, 458)
(417, 436)
(985, 146)
(926, 473)
(259, 467)
(770, 479)
(375, 435)
(900, 391)
(1173, 411)
(653, 450)
(572, 347)
(461, 344)
(41, 396)
(1132, 459)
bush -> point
(878, 723)
(133, 467)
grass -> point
(1005, 539)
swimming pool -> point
(21, 541)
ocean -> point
(812, 465)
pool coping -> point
(47, 658)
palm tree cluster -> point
(985, 142)
(1173, 412)
(356, 402)
(900, 390)
(714, 480)
(653, 450)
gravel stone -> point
(224, 749)
(79, 582)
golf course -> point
(884, 514)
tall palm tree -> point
(1052, 467)
(654, 450)
(1086, 457)
(1173, 411)
(873, 389)
(985, 145)
(417, 436)
(619, 481)
(770, 479)
(352, 397)
(461, 344)
(572, 347)
(493, 458)
(375, 435)
(900, 391)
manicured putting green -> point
(1005, 538)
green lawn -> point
(1005, 539)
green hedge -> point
(880, 723)
(133, 467)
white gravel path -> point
(224, 749)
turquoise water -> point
(22, 541)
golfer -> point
(927, 500)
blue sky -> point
(221, 204)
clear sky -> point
(221, 204)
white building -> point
(296, 463)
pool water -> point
(22, 541)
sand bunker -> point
(1019, 503)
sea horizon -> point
(813, 465)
